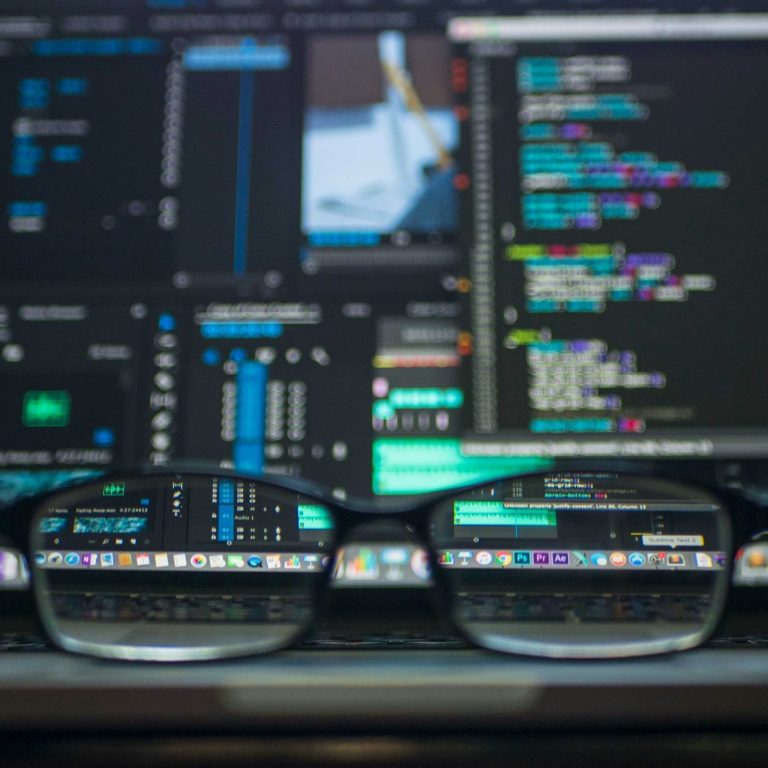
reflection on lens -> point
(180, 567)
(583, 564)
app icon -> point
(161, 560)
(217, 561)
(618, 559)
(580, 558)
(198, 561)
(179, 560)
(72, 558)
(9, 567)
(55, 558)
(394, 556)
(235, 561)
(273, 562)
(560, 558)
(254, 562)
(504, 558)
(447, 558)
(637, 559)
(464, 558)
(704, 560)
(124, 559)
(675, 560)
(483, 558)
(756, 557)
(40, 558)
(142, 558)
(292, 563)
(599, 559)
(107, 559)
(522, 558)
(311, 561)
(420, 565)
(362, 564)
(657, 558)
(541, 558)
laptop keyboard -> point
(583, 608)
(485, 607)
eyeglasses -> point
(195, 566)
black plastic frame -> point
(349, 515)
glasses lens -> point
(179, 567)
(589, 565)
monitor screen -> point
(331, 240)
(615, 229)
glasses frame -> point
(348, 516)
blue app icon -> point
(72, 558)
(637, 559)
(599, 558)
(254, 562)
(166, 323)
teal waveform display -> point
(314, 517)
(494, 513)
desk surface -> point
(361, 690)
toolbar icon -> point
(484, 558)
(504, 558)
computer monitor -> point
(252, 234)
(615, 224)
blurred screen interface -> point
(336, 244)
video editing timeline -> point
(613, 310)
